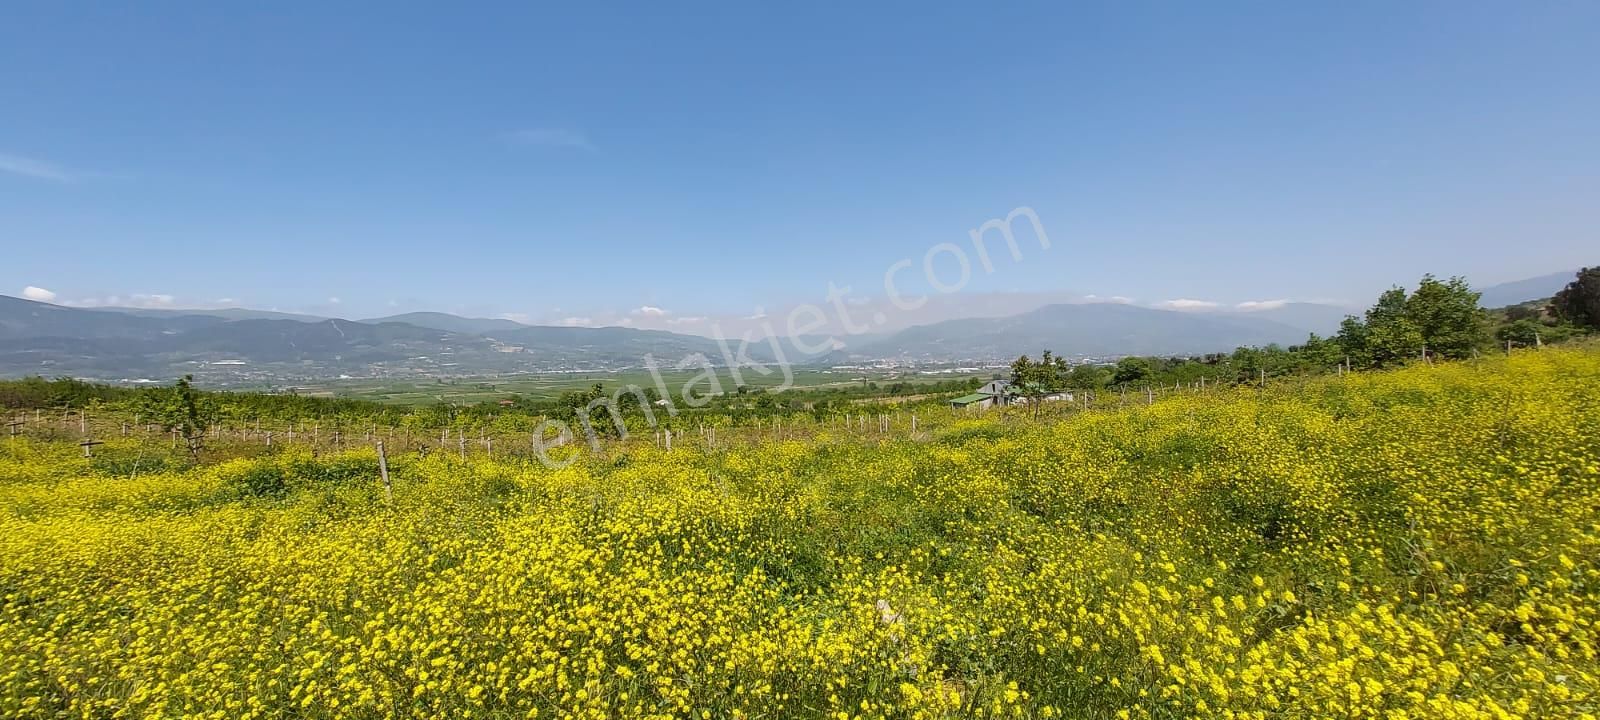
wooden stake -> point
(383, 470)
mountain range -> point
(1100, 330)
(242, 346)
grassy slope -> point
(1419, 542)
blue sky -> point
(571, 162)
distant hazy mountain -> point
(224, 313)
(39, 338)
(1308, 317)
(1521, 291)
(25, 319)
(1079, 329)
(449, 323)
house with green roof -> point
(1000, 393)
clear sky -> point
(583, 162)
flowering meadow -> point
(1420, 543)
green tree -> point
(1522, 332)
(1035, 380)
(1522, 312)
(1355, 341)
(183, 410)
(1087, 377)
(1579, 302)
(1447, 317)
(1391, 335)
(1131, 370)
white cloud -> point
(550, 137)
(1252, 305)
(1120, 300)
(143, 301)
(333, 300)
(759, 314)
(152, 301)
(36, 169)
(690, 320)
(1187, 304)
(650, 310)
(38, 293)
(625, 322)
(576, 321)
(226, 301)
(523, 318)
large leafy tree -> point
(1391, 335)
(1132, 370)
(1448, 317)
(1442, 317)
(1354, 341)
(1579, 302)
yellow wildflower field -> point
(1411, 544)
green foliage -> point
(184, 411)
(259, 479)
(1131, 370)
(1579, 302)
(1439, 318)
(1035, 380)
(1447, 316)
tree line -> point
(1440, 319)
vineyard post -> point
(383, 470)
